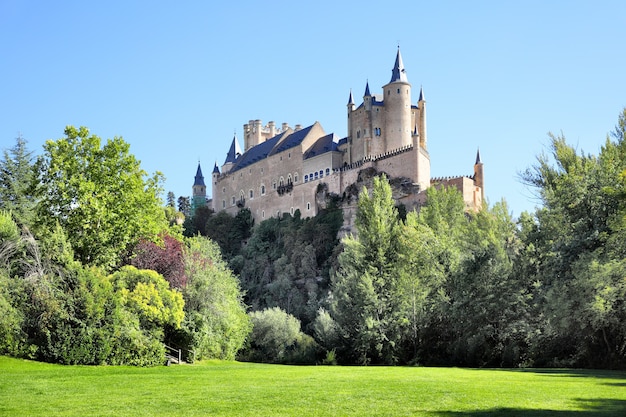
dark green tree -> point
(18, 182)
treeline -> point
(95, 270)
(444, 286)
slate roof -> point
(323, 145)
(272, 146)
(199, 179)
(398, 73)
(234, 152)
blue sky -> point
(177, 79)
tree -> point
(574, 245)
(276, 338)
(166, 259)
(364, 289)
(18, 188)
(171, 199)
(100, 196)
(216, 324)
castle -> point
(282, 169)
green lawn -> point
(238, 389)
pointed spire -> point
(350, 99)
(216, 170)
(421, 94)
(367, 89)
(478, 161)
(199, 179)
(234, 152)
(398, 73)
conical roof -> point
(398, 73)
(199, 179)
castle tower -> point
(351, 107)
(397, 100)
(198, 191)
(421, 120)
(215, 175)
(479, 179)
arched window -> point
(327, 171)
(274, 184)
(223, 203)
(317, 174)
(306, 178)
(291, 211)
(233, 202)
(251, 194)
(262, 189)
(289, 181)
(263, 214)
(281, 181)
(295, 177)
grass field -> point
(238, 389)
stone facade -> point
(282, 170)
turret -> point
(367, 97)
(421, 119)
(479, 179)
(198, 191)
(233, 154)
(398, 107)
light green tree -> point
(216, 323)
(100, 196)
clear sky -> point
(178, 79)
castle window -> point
(308, 206)
(295, 177)
(261, 170)
(358, 134)
(274, 185)
(289, 181)
(233, 203)
(291, 211)
(311, 176)
(223, 203)
(327, 171)
(224, 189)
(398, 91)
(262, 189)
(306, 178)
(321, 173)
(263, 214)
(289, 155)
(281, 182)
(251, 194)
(317, 175)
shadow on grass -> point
(599, 407)
(573, 373)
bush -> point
(276, 338)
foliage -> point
(148, 295)
(99, 195)
(18, 187)
(276, 338)
(216, 324)
(166, 259)
(286, 262)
